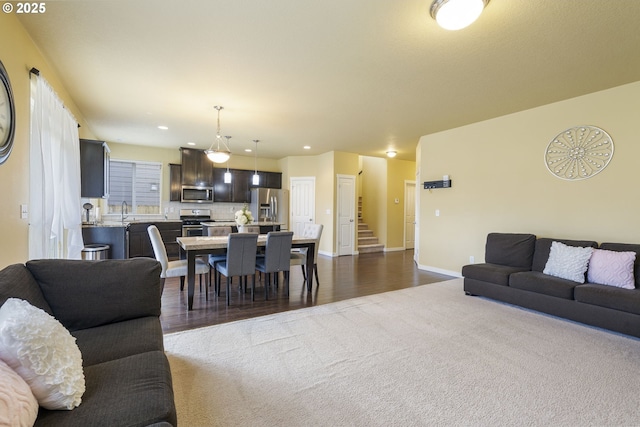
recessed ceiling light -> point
(307, 147)
(391, 153)
(248, 150)
(162, 127)
(191, 143)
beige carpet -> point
(424, 356)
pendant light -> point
(256, 177)
(217, 155)
(227, 174)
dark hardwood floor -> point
(340, 278)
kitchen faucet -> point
(124, 211)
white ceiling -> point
(360, 76)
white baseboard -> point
(439, 270)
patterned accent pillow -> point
(39, 349)
(568, 262)
(18, 406)
(612, 268)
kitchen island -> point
(265, 226)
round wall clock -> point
(579, 152)
(7, 115)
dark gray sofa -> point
(112, 308)
(513, 273)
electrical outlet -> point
(437, 212)
(472, 259)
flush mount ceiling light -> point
(391, 153)
(216, 155)
(456, 14)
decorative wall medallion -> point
(7, 115)
(579, 152)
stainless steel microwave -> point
(197, 194)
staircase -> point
(367, 242)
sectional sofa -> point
(598, 285)
(112, 309)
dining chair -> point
(240, 261)
(251, 229)
(220, 254)
(176, 268)
(277, 258)
(299, 256)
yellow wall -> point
(19, 55)
(398, 172)
(500, 182)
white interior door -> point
(409, 214)
(346, 214)
(303, 202)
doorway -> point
(303, 202)
(409, 214)
(346, 214)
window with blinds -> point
(137, 184)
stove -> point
(191, 220)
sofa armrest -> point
(85, 294)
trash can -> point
(95, 252)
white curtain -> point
(55, 218)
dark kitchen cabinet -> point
(268, 180)
(140, 243)
(222, 192)
(175, 182)
(115, 237)
(238, 191)
(197, 169)
(241, 189)
(94, 168)
(273, 180)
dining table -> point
(192, 246)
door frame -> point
(354, 209)
(407, 188)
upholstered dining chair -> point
(240, 261)
(277, 258)
(172, 268)
(219, 255)
(299, 256)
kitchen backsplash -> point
(171, 211)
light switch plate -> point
(24, 212)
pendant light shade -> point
(256, 177)
(218, 155)
(457, 14)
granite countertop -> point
(126, 223)
(232, 223)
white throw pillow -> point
(612, 268)
(18, 406)
(568, 262)
(43, 353)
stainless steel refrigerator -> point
(270, 205)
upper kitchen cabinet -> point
(235, 192)
(197, 169)
(222, 192)
(269, 180)
(94, 168)
(175, 182)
